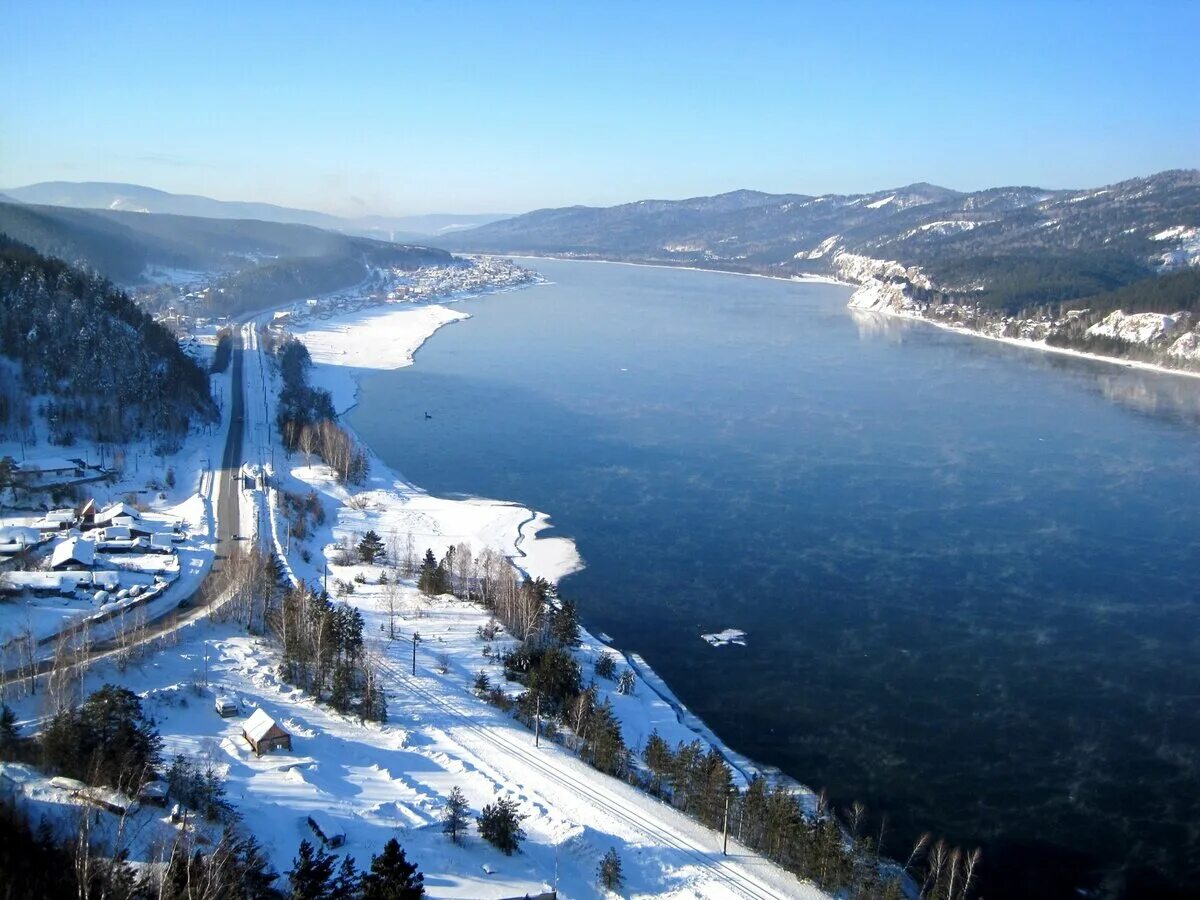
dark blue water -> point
(967, 571)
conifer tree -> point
(392, 876)
(454, 816)
(609, 873)
(500, 825)
(311, 877)
(370, 547)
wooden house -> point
(264, 734)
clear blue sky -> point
(396, 107)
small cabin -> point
(330, 835)
(264, 734)
(225, 707)
(109, 514)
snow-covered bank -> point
(884, 287)
(802, 279)
(394, 507)
(388, 338)
(915, 315)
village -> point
(183, 301)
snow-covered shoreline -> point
(1025, 343)
(793, 279)
(388, 338)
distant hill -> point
(1004, 248)
(138, 198)
(100, 366)
(290, 261)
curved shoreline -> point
(743, 767)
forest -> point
(105, 369)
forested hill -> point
(101, 367)
(1005, 248)
(264, 263)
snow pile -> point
(1136, 328)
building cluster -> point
(69, 553)
(471, 275)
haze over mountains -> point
(1004, 246)
(138, 198)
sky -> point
(410, 107)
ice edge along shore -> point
(388, 338)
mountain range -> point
(138, 198)
(1006, 247)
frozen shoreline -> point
(793, 279)
(388, 338)
(1026, 343)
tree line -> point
(324, 654)
(306, 418)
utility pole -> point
(537, 721)
(416, 640)
(725, 827)
(206, 663)
(327, 578)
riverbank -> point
(386, 338)
(800, 279)
(1024, 343)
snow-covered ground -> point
(189, 503)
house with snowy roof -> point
(73, 553)
(110, 514)
(264, 734)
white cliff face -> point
(1136, 328)
(884, 285)
(1186, 347)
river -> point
(965, 569)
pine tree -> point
(255, 876)
(609, 873)
(392, 876)
(627, 682)
(500, 825)
(347, 884)
(311, 877)
(454, 816)
(370, 547)
(658, 758)
(564, 625)
(9, 737)
(606, 667)
(432, 580)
